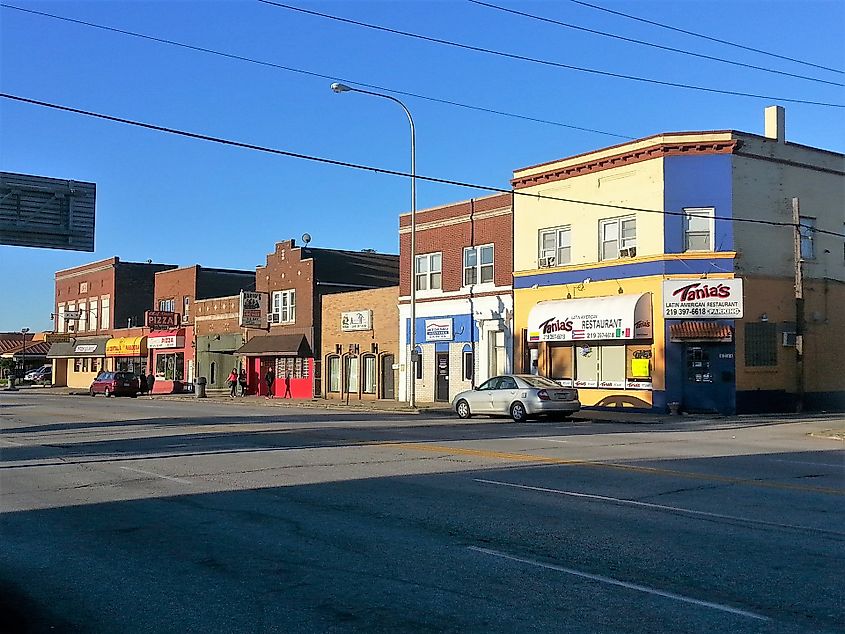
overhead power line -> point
(545, 62)
(301, 71)
(706, 37)
(381, 170)
(672, 49)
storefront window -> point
(560, 364)
(586, 366)
(638, 367)
(171, 367)
(77, 365)
(468, 363)
(85, 364)
(334, 374)
(369, 372)
(612, 366)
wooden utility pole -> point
(799, 307)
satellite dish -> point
(306, 238)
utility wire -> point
(309, 73)
(651, 44)
(381, 170)
(705, 37)
(544, 62)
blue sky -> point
(183, 202)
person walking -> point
(242, 381)
(151, 381)
(233, 382)
(142, 384)
(287, 386)
(270, 379)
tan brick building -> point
(360, 338)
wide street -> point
(138, 515)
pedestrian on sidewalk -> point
(287, 386)
(233, 382)
(151, 380)
(242, 381)
(142, 384)
(270, 379)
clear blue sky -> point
(181, 201)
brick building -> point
(174, 352)
(296, 279)
(463, 274)
(103, 297)
(360, 344)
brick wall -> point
(384, 302)
(217, 316)
(284, 269)
(86, 282)
(450, 238)
(134, 291)
(176, 285)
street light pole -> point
(23, 352)
(340, 88)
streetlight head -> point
(338, 87)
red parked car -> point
(115, 384)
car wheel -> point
(463, 409)
(91, 392)
(107, 392)
(518, 413)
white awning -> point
(613, 317)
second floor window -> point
(427, 271)
(555, 246)
(807, 229)
(478, 265)
(284, 307)
(618, 237)
(167, 305)
(698, 229)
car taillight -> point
(543, 395)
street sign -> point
(57, 337)
(72, 315)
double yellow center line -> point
(539, 459)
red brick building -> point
(463, 273)
(296, 279)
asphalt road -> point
(135, 515)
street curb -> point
(830, 434)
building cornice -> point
(632, 156)
(447, 222)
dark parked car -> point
(115, 384)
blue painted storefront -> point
(464, 330)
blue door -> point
(709, 378)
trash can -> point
(200, 391)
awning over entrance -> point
(126, 347)
(700, 331)
(613, 317)
(276, 344)
(166, 339)
(88, 347)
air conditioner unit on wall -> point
(788, 339)
(630, 252)
(547, 262)
(273, 318)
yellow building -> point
(635, 281)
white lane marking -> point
(157, 475)
(659, 507)
(841, 465)
(623, 584)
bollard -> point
(200, 387)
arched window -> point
(368, 374)
(333, 363)
(213, 378)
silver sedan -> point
(518, 396)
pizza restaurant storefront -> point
(128, 354)
(604, 346)
(172, 360)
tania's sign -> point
(702, 299)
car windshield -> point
(538, 381)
